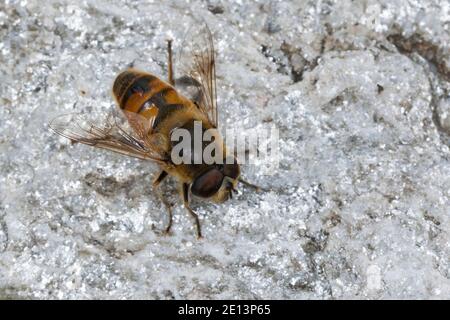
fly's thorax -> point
(197, 142)
(193, 166)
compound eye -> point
(231, 170)
(207, 184)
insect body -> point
(154, 109)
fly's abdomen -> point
(146, 95)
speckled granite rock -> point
(359, 207)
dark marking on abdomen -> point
(158, 99)
(122, 82)
(140, 85)
(165, 111)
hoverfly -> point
(153, 109)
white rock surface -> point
(359, 207)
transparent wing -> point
(112, 135)
(196, 63)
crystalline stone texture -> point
(358, 208)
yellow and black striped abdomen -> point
(146, 95)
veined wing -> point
(112, 135)
(197, 64)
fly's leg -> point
(156, 183)
(188, 208)
(170, 64)
(162, 175)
